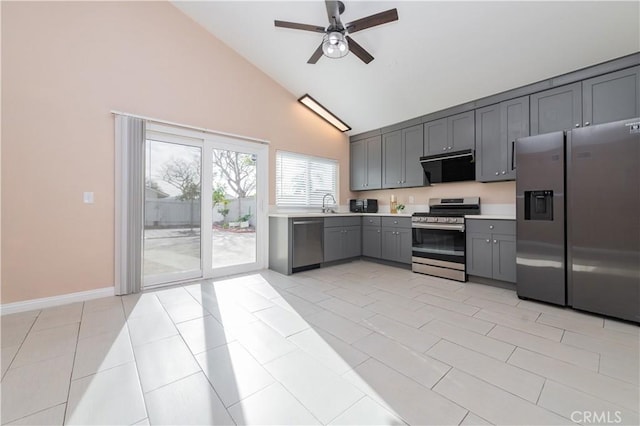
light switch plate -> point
(87, 197)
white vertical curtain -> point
(130, 140)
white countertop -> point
(490, 216)
(339, 214)
(346, 214)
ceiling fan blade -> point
(359, 51)
(316, 55)
(372, 21)
(297, 26)
(333, 13)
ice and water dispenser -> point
(538, 205)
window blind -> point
(303, 180)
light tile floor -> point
(358, 343)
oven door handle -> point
(446, 227)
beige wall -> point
(65, 66)
(489, 193)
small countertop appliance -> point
(363, 205)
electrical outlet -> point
(411, 199)
(87, 197)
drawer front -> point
(394, 221)
(330, 222)
(370, 220)
(507, 227)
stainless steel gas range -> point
(438, 246)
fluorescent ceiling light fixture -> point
(314, 106)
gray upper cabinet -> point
(489, 158)
(514, 119)
(611, 97)
(401, 152)
(392, 159)
(461, 129)
(435, 137)
(413, 146)
(366, 164)
(453, 133)
(556, 109)
(497, 128)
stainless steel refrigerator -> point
(578, 218)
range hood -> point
(457, 166)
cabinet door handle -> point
(444, 149)
(378, 231)
(586, 123)
(490, 226)
(513, 155)
(504, 172)
(577, 125)
(495, 241)
(488, 241)
(497, 173)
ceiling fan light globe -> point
(335, 45)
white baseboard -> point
(47, 302)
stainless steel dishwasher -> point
(307, 242)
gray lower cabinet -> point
(497, 128)
(401, 151)
(342, 238)
(396, 239)
(453, 133)
(371, 237)
(366, 164)
(491, 249)
(611, 97)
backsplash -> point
(495, 198)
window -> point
(302, 180)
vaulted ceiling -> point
(437, 55)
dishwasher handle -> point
(308, 222)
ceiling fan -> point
(336, 42)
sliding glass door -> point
(204, 210)
(234, 208)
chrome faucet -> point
(328, 209)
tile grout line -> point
(73, 364)
(135, 361)
(364, 395)
(20, 345)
